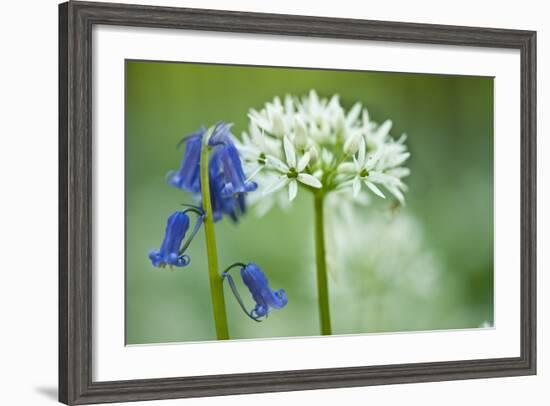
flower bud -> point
(313, 154)
(278, 123)
(352, 143)
(300, 135)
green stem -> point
(321, 261)
(216, 281)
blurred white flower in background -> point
(314, 143)
(387, 264)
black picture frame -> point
(76, 20)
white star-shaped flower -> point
(257, 150)
(292, 172)
(365, 173)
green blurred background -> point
(428, 266)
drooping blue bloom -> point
(228, 183)
(255, 280)
(230, 162)
(172, 252)
(234, 177)
(221, 204)
(187, 177)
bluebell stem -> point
(255, 280)
(172, 252)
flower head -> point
(255, 280)
(232, 205)
(314, 142)
(233, 175)
(228, 183)
(171, 251)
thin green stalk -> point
(216, 281)
(321, 261)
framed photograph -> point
(260, 202)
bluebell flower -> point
(232, 205)
(233, 174)
(255, 280)
(187, 177)
(234, 178)
(172, 252)
(220, 204)
(228, 183)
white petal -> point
(362, 152)
(402, 139)
(313, 153)
(384, 129)
(292, 190)
(260, 120)
(340, 122)
(309, 180)
(397, 193)
(383, 178)
(357, 165)
(300, 133)
(248, 152)
(302, 163)
(356, 186)
(375, 189)
(246, 140)
(334, 102)
(254, 133)
(278, 184)
(346, 167)
(255, 172)
(353, 114)
(273, 146)
(276, 163)
(399, 172)
(326, 156)
(290, 152)
(352, 143)
(313, 101)
(314, 131)
(277, 103)
(278, 123)
(366, 120)
(289, 104)
(318, 173)
(398, 159)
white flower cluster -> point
(313, 142)
(388, 277)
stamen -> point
(292, 173)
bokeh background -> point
(426, 266)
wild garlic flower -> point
(386, 276)
(292, 171)
(314, 143)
